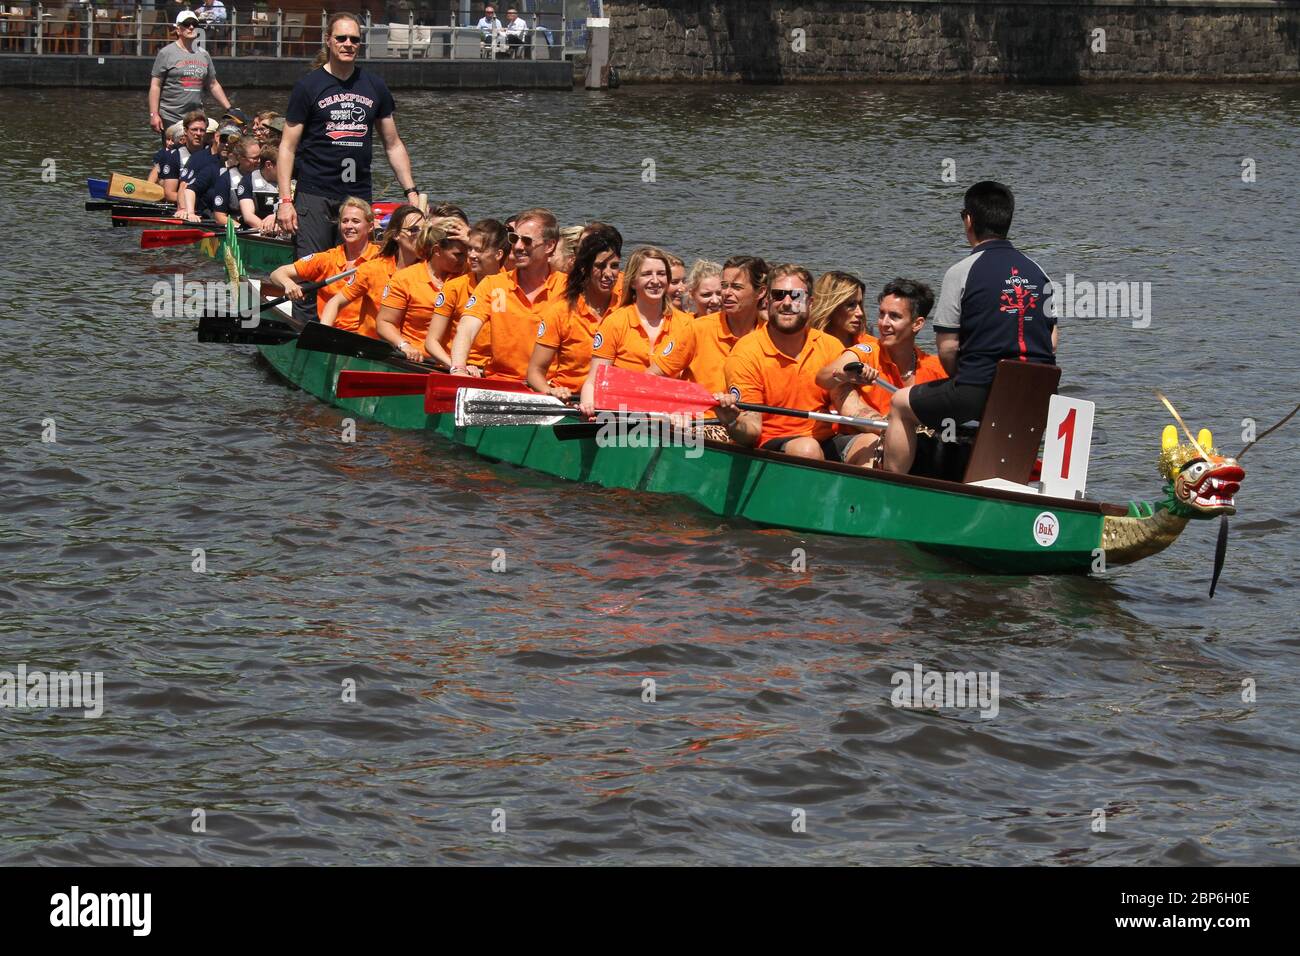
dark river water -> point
(478, 692)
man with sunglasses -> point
(329, 126)
(181, 72)
(777, 364)
(511, 302)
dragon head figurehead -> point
(1200, 483)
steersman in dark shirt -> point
(993, 305)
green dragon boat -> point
(999, 529)
(993, 529)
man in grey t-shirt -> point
(181, 72)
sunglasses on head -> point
(348, 38)
(795, 295)
(526, 240)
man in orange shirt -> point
(707, 341)
(510, 302)
(778, 365)
(894, 358)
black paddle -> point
(1221, 544)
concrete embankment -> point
(130, 72)
(1059, 41)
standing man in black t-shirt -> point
(332, 114)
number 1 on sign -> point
(1069, 441)
(1066, 431)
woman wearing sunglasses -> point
(408, 304)
(355, 307)
(629, 335)
(356, 220)
(329, 127)
(565, 330)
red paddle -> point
(353, 383)
(624, 389)
(157, 238)
(438, 388)
(157, 221)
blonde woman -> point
(704, 287)
(837, 308)
(629, 335)
(566, 248)
(365, 291)
(412, 296)
(356, 220)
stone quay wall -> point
(1054, 41)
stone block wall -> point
(931, 40)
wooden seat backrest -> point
(1011, 428)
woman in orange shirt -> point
(837, 308)
(408, 303)
(704, 287)
(397, 252)
(356, 222)
(488, 246)
(627, 336)
(562, 354)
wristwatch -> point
(413, 189)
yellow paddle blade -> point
(129, 187)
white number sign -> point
(1069, 440)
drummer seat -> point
(1011, 427)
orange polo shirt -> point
(455, 295)
(413, 292)
(873, 354)
(701, 351)
(622, 339)
(570, 332)
(763, 374)
(367, 286)
(500, 303)
(321, 265)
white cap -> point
(186, 15)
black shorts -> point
(935, 402)
(832, 448)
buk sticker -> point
(437, 303)
(597, 342)
(1046, 529)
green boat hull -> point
(995, 531)
(260, 256)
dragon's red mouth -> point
(1217, 488)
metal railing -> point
(114, 31)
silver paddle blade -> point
(480, 407)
